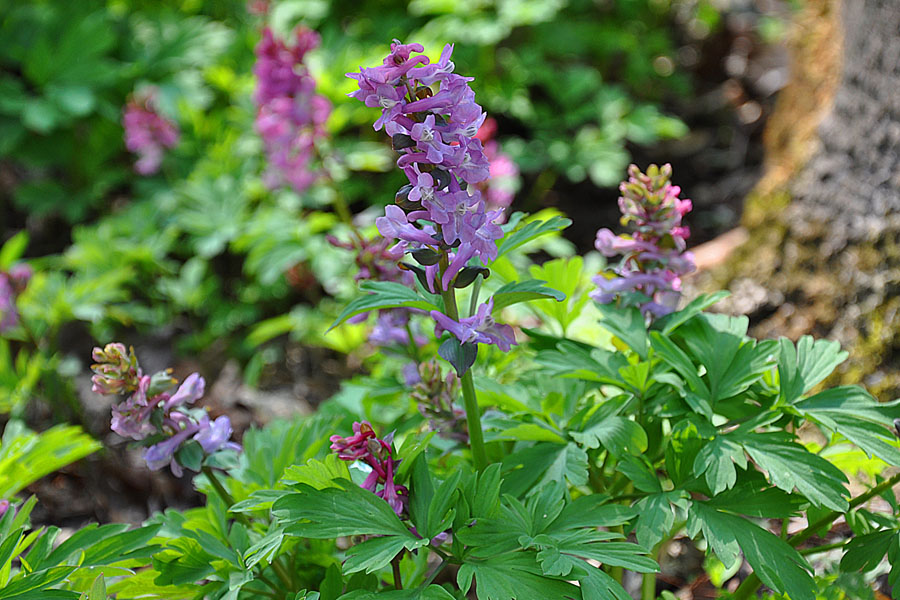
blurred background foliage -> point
(203, 256)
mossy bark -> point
(823, 250)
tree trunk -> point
(823, 248)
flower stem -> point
(223, 494)
(395, 567)
(473, 414)
(750, 585)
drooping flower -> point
(147, 133)
(653, 255)
(436, 396)
(366, 447)
(290, 115)
(480, 328)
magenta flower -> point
(290, 116)
(147, 133)
(365, 447)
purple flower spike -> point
(653, 257)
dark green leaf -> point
(461, 356)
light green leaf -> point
(801, 368)
(383, 294)
(617, 434)
(531, 231)
(523, 291)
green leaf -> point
(523, 291)
(758, 499)
(777, 564)
(716, 459)
(628, 325)
(856, 415)
(790, 465)
(337, 511)
(98, 589)
(316, 473)
(377, 553)
(37, 581)
(617, 434)
(655, 519)
(676, 358)
(801, 368)
(672, 321)
(515, 575)
(865, 552)
(13, 250)
(639, 472)
(531, 231)
(733, 363)
(572, 360)
(461, 356)
(383, 294)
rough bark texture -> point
(823, 251)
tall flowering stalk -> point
(440, 217)
(653, 256)
(155, 411)
(290, 115)
(147, 133)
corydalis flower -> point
(653, 256)
(480, 328)
(290, 115)
(435, 396)
(364, 446)
(12, 283)
(154, 408)
(147, 133)
(431, 114)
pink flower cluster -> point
(147, 133)
(432, 117)
(12, 283)
(364, 446)
(152, 409)
(290, 115)
(653, 256)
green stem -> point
(648, 586)
(750, 585)
(473, 301)
(825, 548)
(395, 567)
(267, 581)
(283, 575)
(435, 573)
(473, 414)
(223, 494)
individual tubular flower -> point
(12, 284)
(147, 133)
(653, 255)
(154, 408)
(364, 446)
(290, 115)
(479, 328)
